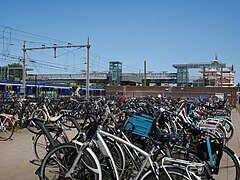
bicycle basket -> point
(139, 124)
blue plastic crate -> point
(139, 124)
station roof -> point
(195, 65)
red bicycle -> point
(6, 126)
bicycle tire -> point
(229, 167)
(41, 144)
(60, 159)
(31, 126)
(175, 174)
(106, 163)
(6, 128)
(118, 155)
(26, 113)
(222, 132)
(67, 122)
(219, 130)
(229, 129)
(182, 154)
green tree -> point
(15, 70)
(100, 85)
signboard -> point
(220, 95)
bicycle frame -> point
(7, 117)
(104, 149)
(83, 146)
(126, 143)
(133, 155)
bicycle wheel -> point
(174, 173)
(39, 113)
(31, 126)
(219, 130)
(222, 133)
(229, 127)
(118, 157)
(60, 159)
(6, 128)
(183, 154)
(67, 121)
(42, 145)
(229, 167)
(26, 113)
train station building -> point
(208, 74)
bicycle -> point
(7, 126)
(206, 146)
(51, 135)
(57, 163)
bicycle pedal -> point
(35, 162)
(33, 138)
(37, 172)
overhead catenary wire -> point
(7, 60)
(35, 62)
(51, 65)
(35, 35)
(39, 62)
(97, 62)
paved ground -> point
(15, 155)
(234, 144)
(235, 141)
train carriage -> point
(42, 89)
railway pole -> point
(55, 47)
(88, 69)
(145, 74)
(24, 75)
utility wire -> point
(40, 36)
(99, 61)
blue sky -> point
(162, 32)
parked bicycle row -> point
(133, 138)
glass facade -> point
(182, 76)
(115, 73)
(205, 74)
